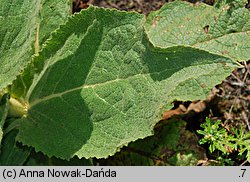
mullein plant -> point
(90, 83)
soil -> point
(140, 6)
(228, 102)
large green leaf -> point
(224, 30)
(101, 85)
(24, 27)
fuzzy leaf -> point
(24, 26)
(102, 85)
(224, 31)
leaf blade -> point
(224, 31)
(11, 153)
(24, 27)
(105, 85)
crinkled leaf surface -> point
(102, 85)
(24, 26)
(224, 31)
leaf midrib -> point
(92, 86)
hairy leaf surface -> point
(101, 85)
(24, 27)
(224, 30)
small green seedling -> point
(218, 138)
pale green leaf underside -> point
(102, 85)
(224, 31)
(24, 27)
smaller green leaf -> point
(224, 30)
(24, 27)
(13, 154)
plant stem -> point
(16, 108)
